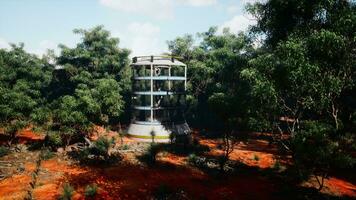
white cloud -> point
(159, 9)
(253, 1)
(237, 23)
(198, 2)
(142, 39)
(43, 47)
(4, 44)
(232, 9)
(143, 28)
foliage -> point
(256, 157)
(98, 152)
(316, 153)
(150, 156)
(277, 165)
(91, 190)
(23, 80)
(101, 147)
(214, 65)
(97, 71)
(4, 151)
(67, 192)
(53, 140)
(46, 154)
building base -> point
(157, 132)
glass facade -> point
(158, 93)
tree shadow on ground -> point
(84, 158)
(286, 183)
(184, 149)
(165, 180)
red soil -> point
(15, 187)
(256, 153)
(134, 182)
(130, 181)
(28, 135)
(341, 187)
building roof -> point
(156, 60)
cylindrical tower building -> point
(159, 90)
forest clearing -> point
(178, 99)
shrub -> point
(222, 160)
(277, 165)
(97, 153)
(163, 191)
(197, 161)
(255, 157)
(67, 192)
(91, 190)
(150, 156)
(125, 147)
(53, 140)
(192, 158)
(316, 152)
(101, 147)
(4, 151)
(47, 154)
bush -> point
(101, 147)
(192, 158)
(67, 192)
(163, 191)
(91, 190)
(255, 157)
(125, 147)
(97, 153)
(222, 160)
(197, 161)
(150, 156)
(53, 140)
(4, 151)
(47, 154)
(316, 152)
(277, 165)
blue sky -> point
(143, 26)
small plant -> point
(150, 156)
(163, 191)
(192, 158)
(91, 190)
(47, 154)
(125, 147)
(67, 193)
(197, 161)
(276, 166)
(53, 140)
(255, 157)
(101, 147)
(222, 160)
(4, 151)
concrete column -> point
(169, 75)
(151, 92)
(185, 78)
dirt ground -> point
(128, 179)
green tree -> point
(213, 66)
(306, 72)
(24, 79)
(93, 84)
